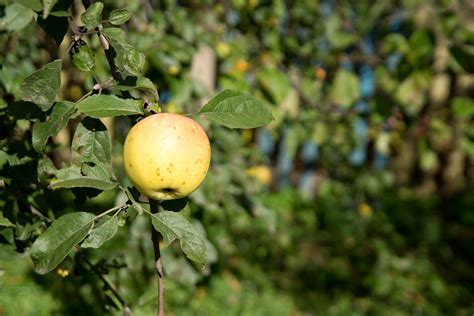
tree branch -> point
(155, 237)
(126, 308)
(109, 54)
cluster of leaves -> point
(33, 107)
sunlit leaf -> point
(119, 16)
(173, 226)
(234, 109)
(109, 105)
(83, 58)
(345, 89)
(92, 18)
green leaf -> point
(42, 86)
(174, 226)
(345, 88)
(16, 17)
(35, 5)
(115, 34)
(83, 58)
(411, 92)
(109, 105)
(119, 16)
(133, 60)
(92, 18)
(128, 59)
(463, 107)
(58, 119)
(143, 84)
(91, 142)
(47, 6)
(45, 169)
(5, 222)
(341, 40)
(96, 177)
(102, 233)
(234, 109)
(51, 247)
(275, 83)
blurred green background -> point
(357, 200)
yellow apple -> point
(166, 156)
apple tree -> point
(88, 41)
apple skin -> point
(166, 156)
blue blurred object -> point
(380, 161)
(358, 156)
(165, 96)
(232, 17)
(265, 141)
(395, 24)
(367, 85)
(347, 64)
(361, 129)
(309, 152)
(326, 7)
(393, 60)
(309, 155)
(307, 183)
(362, 107)
(284, 163)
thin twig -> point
(126, 308)
(35, 211)
(110, 57)
(155, 237)
(113, 209)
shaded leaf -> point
(91, 142)
(234, 109)
(35, 5)
(51, 247)
(42, 86)
(174, 226)
(119, 16)
(58, 119)
(275, 83)
(55, 25)
(102, 233)
(92, 18)
(96, 177)
(109, 105)
(16, 17)
(175, 205)
(463, 107)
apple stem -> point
(155, 237)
